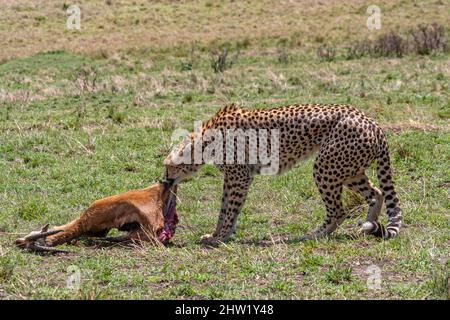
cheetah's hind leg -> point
(335, 213)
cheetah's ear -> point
(176, 156)
(168, 160)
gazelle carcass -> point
(145, 215)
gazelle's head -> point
(35, 241)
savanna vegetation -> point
(89, 113)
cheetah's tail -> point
(384, 174)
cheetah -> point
(346, 143)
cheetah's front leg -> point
(235, 187)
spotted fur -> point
(346, 142)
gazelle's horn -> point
(38, 248)
(45, 234)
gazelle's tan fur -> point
(139, 212)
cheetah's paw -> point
(209, 240)
(367, 227)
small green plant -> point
(115, 115)
(339, 275)
(39, 18)
(87, 78)
(282, 55)
(32, 209)
(220, 60)
(188, 65)
(358, 50)
(185, 66)
(440, 285)
(6, 269)
(243, 44)
(187, 98)
(80, 113)
(183, 290)
(326, 53)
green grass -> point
(75, 128)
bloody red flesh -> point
(170, 219)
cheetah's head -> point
(181, 162)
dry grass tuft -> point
(326, 53)
(410, 125)
(220, 61)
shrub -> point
(86, 78)
(326, 53)
(358, 50)
(282, 55)
(428, 39)
(188, 64)
(220, 61)
(390, 44)
(423, 40)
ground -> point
(90, 113)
